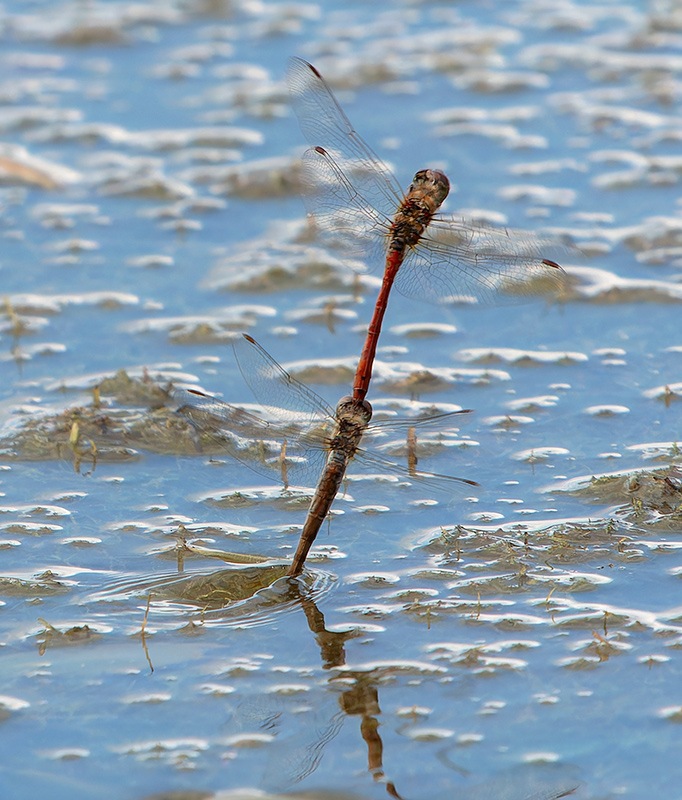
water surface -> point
(515, 640)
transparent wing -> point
(446, 484)
(403, 423)
(458, 258)
(273, 387)
(343, 214)
(283, 453)
(324, 124)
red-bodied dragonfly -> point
(306, 440)
(355, 198)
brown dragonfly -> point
(356, 200)
(305, 439)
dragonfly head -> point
(356, 411)
(430, 183)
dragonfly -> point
(356, 201)
(307, 437)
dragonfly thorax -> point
(353, 412)
(428, 190)
(431, 184)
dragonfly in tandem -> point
(355, 199)
(307, 439)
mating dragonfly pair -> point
(356, 201)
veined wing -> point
(403, 423)
(283, 453)
(275, 388)
(433, 480)
(343, 214)
(458, 258)
(324, 124)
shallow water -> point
(518, 639)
